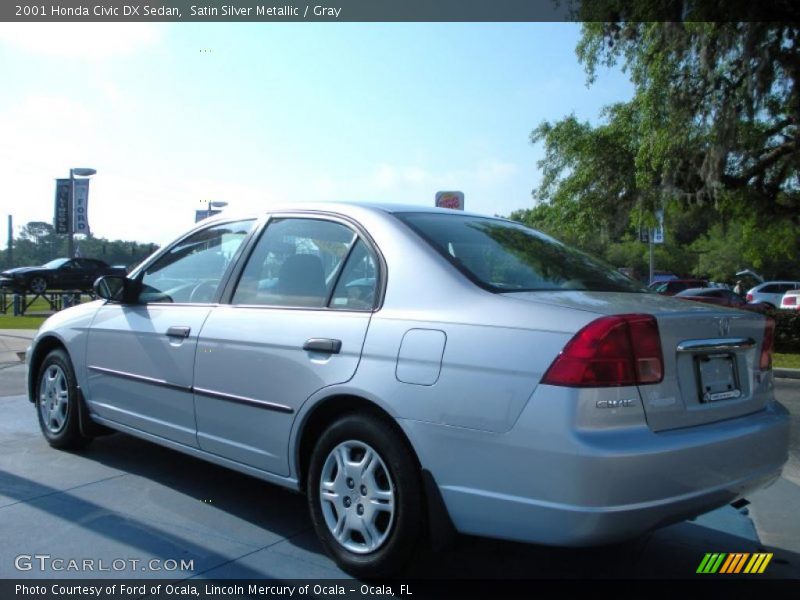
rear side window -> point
(309, 263)
(502, 256)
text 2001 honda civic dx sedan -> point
(406, 367)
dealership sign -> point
(453, 200)
(199, 215)
(80, 206)
(61, 218)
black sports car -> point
(58, 274)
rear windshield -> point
(503, 256)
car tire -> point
(57, 401)
(37, 285)
(369, 515)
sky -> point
(172, 115)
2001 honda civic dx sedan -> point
(409, 367)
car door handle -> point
(180, 332)
(326, 345)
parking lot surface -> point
(139, 510)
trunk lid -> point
(711, 355)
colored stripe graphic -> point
(729, 563)
(741, 562)
(703, 563)
(734, 563)
(711, 562)
(724, 563)
(758, 563)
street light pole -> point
(212, 204)
(70, 209)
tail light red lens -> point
(789, 301)
(619, 350)
(749, 297)
(765, 363)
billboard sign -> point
(61, 216)
(454, 200)
(80, 216)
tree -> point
(38, 243)
(710, 136)
(588, 175)
(719, 101)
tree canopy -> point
(38, 243)
(713, 123)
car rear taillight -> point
(789, 301)
(765, 363)
(611, 351)
(749, 297)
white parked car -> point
(407, 367)
(791, 300)
(771, 292)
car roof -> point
(700, 291)
(760, 285)
(347, 208)
(685, 281)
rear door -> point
(296, 324)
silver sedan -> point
(416, 370)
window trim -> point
(138, 274)
(360, 232)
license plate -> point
(717, 377)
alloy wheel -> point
(54, 398)
(357, 497)
(38, 285)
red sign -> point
(454, 200)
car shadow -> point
(672, 552)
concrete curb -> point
(786, 373)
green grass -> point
(25, 322)
(786, 361)
(35, 314)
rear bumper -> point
(575, 488)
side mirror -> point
(111, 287)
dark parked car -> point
(721, 297)
(673, 286)
(58, 274)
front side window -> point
(297, 262)
(192, 270)
(502, 256)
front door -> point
(296, 324)
(140, 356)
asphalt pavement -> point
(130, 501)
